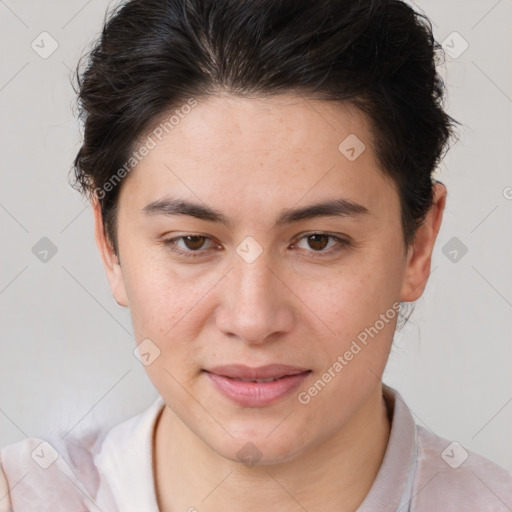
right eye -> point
(193, 244)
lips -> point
(266, 373)
(256, 387)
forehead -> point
(264, 124)
(254, 152)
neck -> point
(336, 475)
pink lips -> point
(244, 384)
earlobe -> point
(109, 258)
(419, 256)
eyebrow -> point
(329, 208)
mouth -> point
(256, 387)
(266, 373)
(270, 379)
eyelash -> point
(171, 244)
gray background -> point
(66, 346)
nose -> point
(257, 303)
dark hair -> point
(155, 55)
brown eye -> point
(322, 244)
(194, 242)
(190, 246)
(318, 241)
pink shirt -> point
(112, 471)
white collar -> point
(126, 461)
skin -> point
(249, 159)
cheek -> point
(359, 304)
(157, 298)
(167, 306)
(353, 295)
(164, 309)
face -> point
(255, 275)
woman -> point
(261, 180)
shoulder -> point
(5, 500)
(50, 473)
(452, 478)
(90, 472)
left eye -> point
(193, 244)
(319, 241)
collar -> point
(126, 461)
(391, 490)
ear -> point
(419, 255)
(111, 262)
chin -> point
(259, 449)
